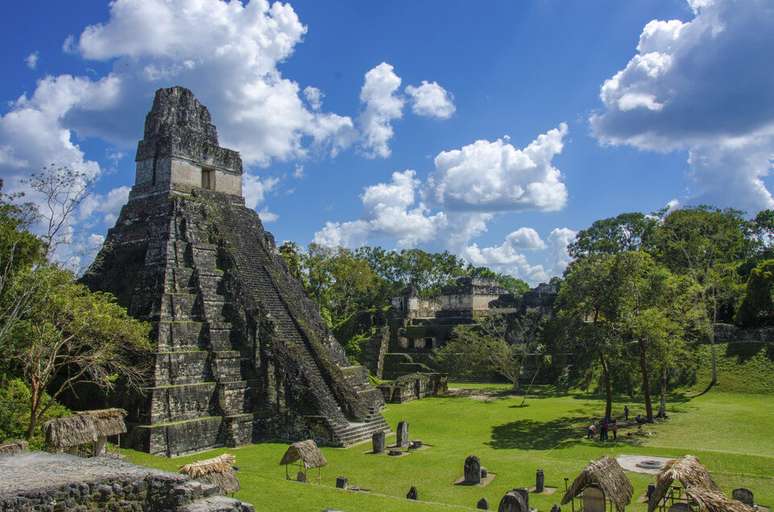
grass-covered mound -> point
(730, 433)
(742, 367)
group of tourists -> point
(605, 427)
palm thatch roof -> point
(218, 471)
(84, 427)
(712, 500)
(13, 447)
(609, 476)
(305, 451)
(688, 471)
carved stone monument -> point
(240, 352)
(403, 434)
(482, 504)
(514, 501)
(472, 470)
(378, 441)
(540, 481)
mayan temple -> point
(242, 354)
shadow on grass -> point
(559, 433)
(537, 435)
(743, 352)
(678, 396)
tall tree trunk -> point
(663, 391)
(34, 405)
(645, 379)
(713, 349)
(608, 387)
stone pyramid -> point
(242, 354)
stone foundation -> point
(45, 482)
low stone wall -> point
(728, 333)
(45, 482)
(414, 387)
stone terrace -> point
(43, 481)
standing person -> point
(626, 413)
(614, 428)
(603, 430)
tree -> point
(625, 232)
(480, 349)
(71, 336)
(583, 307)
(291, 253)
(62, 190)
(340, 282)
(429, 272)
(19, 250)
(706, 244)
(513, 285)
(757, 307)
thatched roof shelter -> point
(688, 471)
(306, 453)
(84, 427)
(13, 447)
(711, 500)
(609, 476)
(218, 471)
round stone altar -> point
(642, 463)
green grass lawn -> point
(733, 434)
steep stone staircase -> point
(249, 250)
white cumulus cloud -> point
(496, 176)
(106, 206)
(508, 257)
(431, 100)
(381, 106)
(558, 240)
(227, 53)
(391, 210)
(705, 86)
(254, 189)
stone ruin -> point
(47, 482)
(241, 353)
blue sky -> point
(635, 112)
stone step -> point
(184, 335)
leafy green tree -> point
(583, 308)
(625, 232)
(429, 272)
(15, 398)
(757, 307)
(291, 253)
(341, 282)
(72, 336)
(19, 250)
(706, 244)
(481, 349)
(514, 285)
